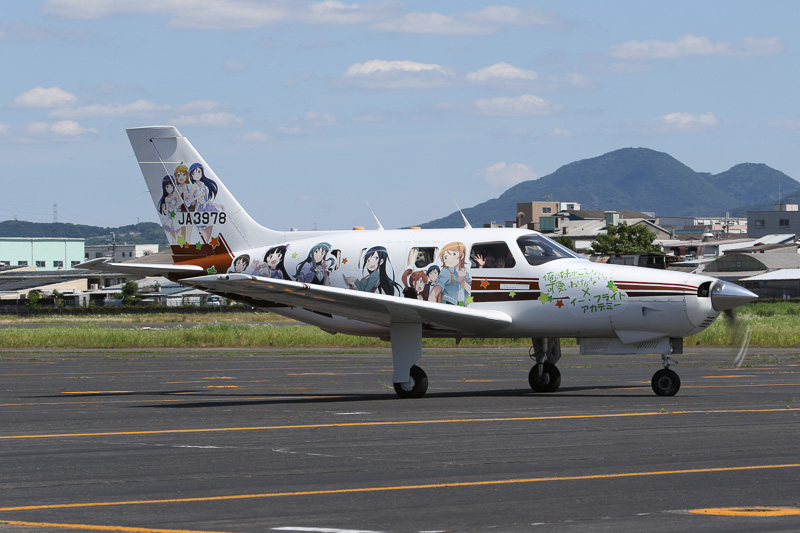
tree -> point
(33, 299)
(566, 242)
(624, 239)
(130, 292)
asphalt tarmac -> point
(315, 440)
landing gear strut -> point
(666, 381)
(545, 376)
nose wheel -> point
(544, 377)
(666, 382)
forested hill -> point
(639, 179)
(142, 233)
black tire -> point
(420, 384)
(666, 382)
(549, 381)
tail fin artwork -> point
(203, 221)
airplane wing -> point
(378, 309)
(104, 264)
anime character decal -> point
(417, 282)
(192, 205)
(168, 207)
(454, 282)
(316, 267)
(272, 266)
(376, 269)
(240, 264)
(446, 281)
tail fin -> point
(200, 216)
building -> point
(785, 218)
(726, 225)
(41, 252)
(120, 252)
(583, 227)
(529, 214)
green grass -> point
(773, 325)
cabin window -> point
(491, 255)
(539, 249)
(421, 257)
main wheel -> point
(419, 384)
(548, 381)
(666, 382)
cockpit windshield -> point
(539, 250)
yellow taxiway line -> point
(356, 490)
(399, 423)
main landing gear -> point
(545, 376)
(417, 385)
(666, 381)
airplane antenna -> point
(380, 226)
(467, 225)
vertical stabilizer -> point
(200, 216)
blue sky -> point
(307, 110)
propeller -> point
(736, 326)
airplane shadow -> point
(230, 400)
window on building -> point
(22, 263)
(98, 254)
(784, 223)
(759, 224)
(58, 264)
(40, 264)
(73, 263)
(547, 210)
(491, 255)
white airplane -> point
(403, 285)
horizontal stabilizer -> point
(104, 264)
(368, 307)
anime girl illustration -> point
(201, 191)
(377, 279)
(273, 266)
(240, 264)
(168, 209)
(181, 175)
(454, 282)
(418, 281)
(316, 268)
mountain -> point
(142, 233)
(637, 179)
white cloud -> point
(504, 175)
(254, 137)
(687, 122)
(60, 129)
(487, 21)
(310, 123)
(134, 109)
(560, 133)
(527, 104)
(789, 124)
(501, 73)
(693, 45)
(69, 128)
(39, 98)
(208, 120)
(232, 65)
(383, 74)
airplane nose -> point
(725, 295)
